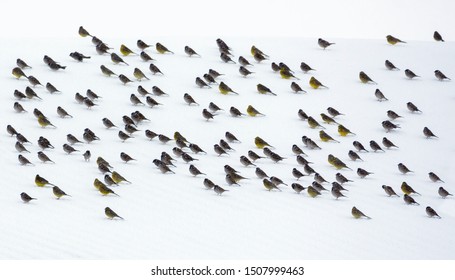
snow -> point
(173, 216)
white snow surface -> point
(173, 216)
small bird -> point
(287, 74)
(219, 190)
(189, 99)
(30, 93)
(106, 71)
(18, 107)
(207, 115)
(18, 73)
(356, 213)
(225, 89)
(298, 188)
(297, 174)
(200, 83)
(62, 112)
(440, 76)
(163, 138)
(150, 134)
(253, 156)
(214, 108)
(363, 173)
(253, 112)
(389, 65)
(336, 162)
(261, 143)
(305, 67)
(41, 182)
(314, 83)
(162, 49)
(139, 75)
(23, 160)
(407, 189)
(428, 133)
(259, 57)
(326, 137)
(44, 158)
(55, 66)
(296, 88)
(409, 200)
(354, 156)
(83, 32)
(195, 171)
(313, 123)
(215, 74)
(333, 112)
(231, 137)
(275, 67)
(44, 143)
(219, 150)
(336, 185)
(437, 37)
(244, 62)
(22, 64)
(26, 198)
(434, 178)
(302, 115)
(277, 181)
(388, 126)
(327, 119)
(154, 69)
(310, 143)
(235, 112)
(21, 138)
(108, 123)
(260, 173)
(208, 184)
(387, 143)
(125, 157)
(431, 212)
(19, 95)
(33, 81)
(187, 158)
(124, 79)
(392, 115)
(87, 155)
(126, 51)
(389, 191)
(118, 178)
(101, 48)
(403, 169)
(68, 149)
(190, 52)
(380, 96)
(324, 44)
(413, 108)
(162, 166)
(269, 185)
(245, 161)
(343, 131)
(20, 148)
(209, 79)
(123, 136)
(375, 146)
(364, 78)
(151, 102)
(410, 74)
(318, 178)
(443, 192)
(142, 45)
(263, 89)
(135, 100)
(393, 40)
(117, 59)
(196, 149)
(78, 56)
(336, 193)
(111, 214)
(313, 192)
(158, 91)
(58, 192)
(51, 88)
(244, 72)
(296, 150)
(255, 50)
(302, 161)
(341, 179)
(145, 56)
(225, 145)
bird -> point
(305, 67)
(297, 188)
(33, 81)
(83, 32)
(273, 156)
(55, 66)
(431, 212)
(111, 214)
(263, 89)
(434, 178)
(235, 112)
(44, 143)
(219, 190)
(195, 171)
(302, 115)
(78, 56)
(379, 95)
(18, 73)
(225, 145)
(296, 150)
(118, 178)
(392, 115)
(387, 143)
(219, 150)
(260, 173)
(125, 157)
(341, 179)
(324, 44)
(145, 56)
(393, 40)
(428, 133)
(440, 76)
(375, 146)
(259, 57)
(407, 189)
(58, 192)
(21, 138)
(328, 119)
(125, 50)
(154, 69)
(87, 155)
(215, 74)
(343, 131)
(336, 193)
(196, 149)
(100, 47)
(214, 108)
(42, 182)
(253, 112)
(261, 143)
(318, 178)
(30, 93)
(245, 161)
(338, 186)
(363, 173)
(189, 99)
(443, 192)
(158, 91)
(26, 198)
(354, 156)
(23, 160)
(275, 67)
(286, 74)
(364, 78)
(62, 112)
(20, 148)
(200, 83)
(409, 200)
(403, 169)
(244, 72)
(163, 138)
(297, 174)
(19, 95)
(207, 115)
(359, 146)
(44, 158)
(22, 64)
(410, 74)
(336, 162)
(269, 185)
(312, 192)
(413, 108)
(389, 191)
(334, 112)
(437, 37)
(356, 213)
(253, 156)
(388, 125)
(209, 79)
(106, 71)
(313, 123)
(190, 52)
(244, 62)
(124, 79)
(208, 184)
(123, 136)
(225, 89)
(277, 181)
(310, 143)
(226, 58)
(18, 107)
(68, 149)
(187, 158)
(314, 83)
(116, 59)
(326, 137)
(162, 167)
(51, 88)
(231, 137)
(389, 65)
(142, 45)
(108, 123)
(139, 75)
(296, 88)
(160, 48)
(135, 100)
(151, 102)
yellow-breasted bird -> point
(407, 189)
(327, 119)
(83, 32)
(325, 137)
(393, 40)
(336, 162)
(162, 49)
(59, 192)
(312, 191)
(255, 50)
(313, 123)
(286, 74)
(17, 72)
(364, 78)
(43, 121)
(253, 112)
(315, 83)
(104, 190)
(261, 143)
(139, 75)
(356, 213)
(269, 185)
(225, 89)
(343, 131)
(125, 50)
(118, 178)
(41, 182)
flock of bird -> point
(186, 150)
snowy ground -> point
(173, 216)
